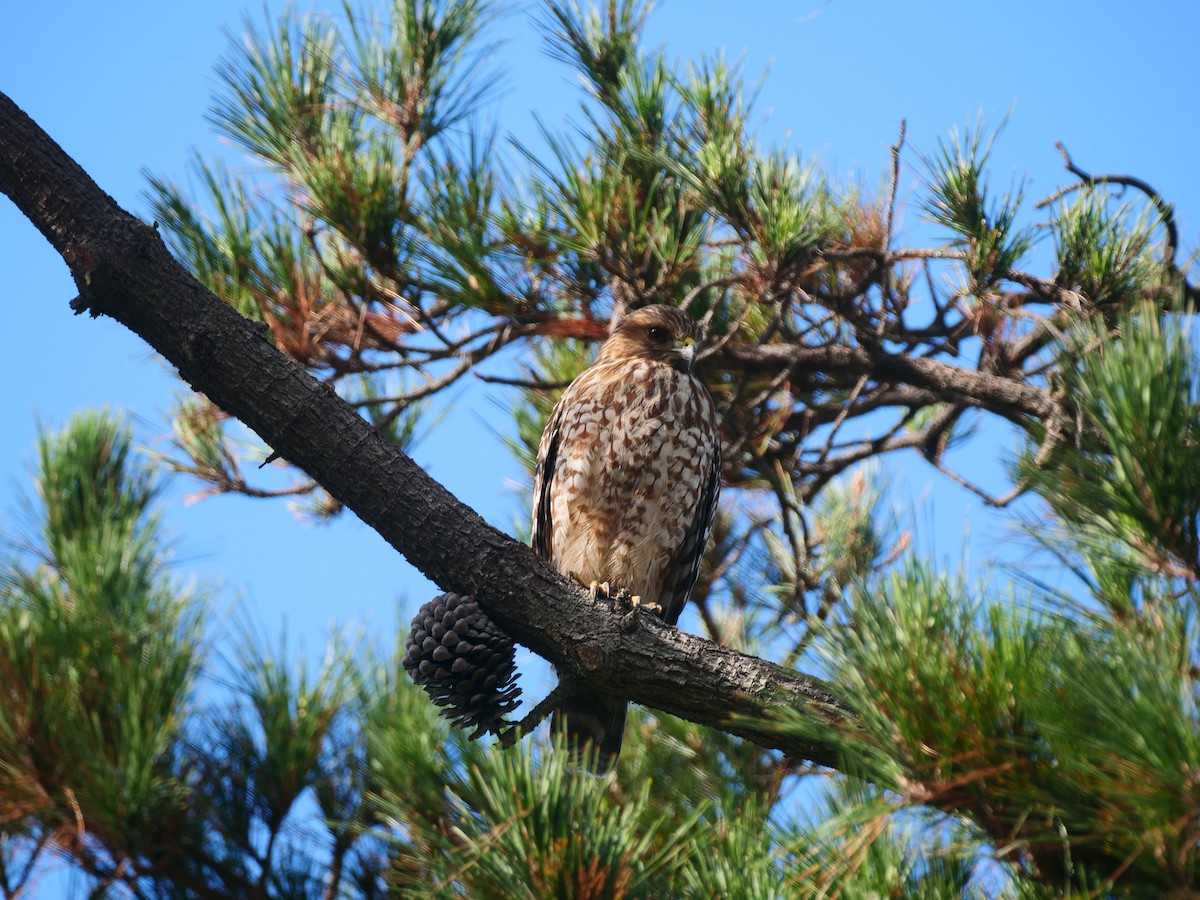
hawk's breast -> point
(635, 448)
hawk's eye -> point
(659, 335)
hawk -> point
(626, 486)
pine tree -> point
(1026, 740)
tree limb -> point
(123, 270)
(1012, 399)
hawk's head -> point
(657, 332)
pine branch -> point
(123, 270)
(1012, 399)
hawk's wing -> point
(542, 529)
(685, 568)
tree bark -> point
(123, 270)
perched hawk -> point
(626, 487)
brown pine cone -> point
(465, 662)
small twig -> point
(1059, 194)
(829, 599)
(997, 502)
(719, 345)
(816, 327)
(841, 418)
(770, 390)
(562, 692)
(466, 362)
(532, 384)
(1052, 439)
(891, 206)
(239, 486)
(794, 527)
(430, 386)
(898, 548)
(938, 303)
(740, 395)
(14, 884)
(1166, 211)
(80, 825)
(452, 348)
(831, 468)
(690, 297)
(816, 415)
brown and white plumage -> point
(627, 480)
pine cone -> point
(465, 663)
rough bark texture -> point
(123, 270)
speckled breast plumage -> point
(636, 448)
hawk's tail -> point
(592, 719)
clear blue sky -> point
(124, 87)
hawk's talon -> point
(600, 589)
(595, 589)
(635, 606)
(636, 602)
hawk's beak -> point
(687, 354)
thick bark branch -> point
(123, 270)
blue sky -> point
(124, 87)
